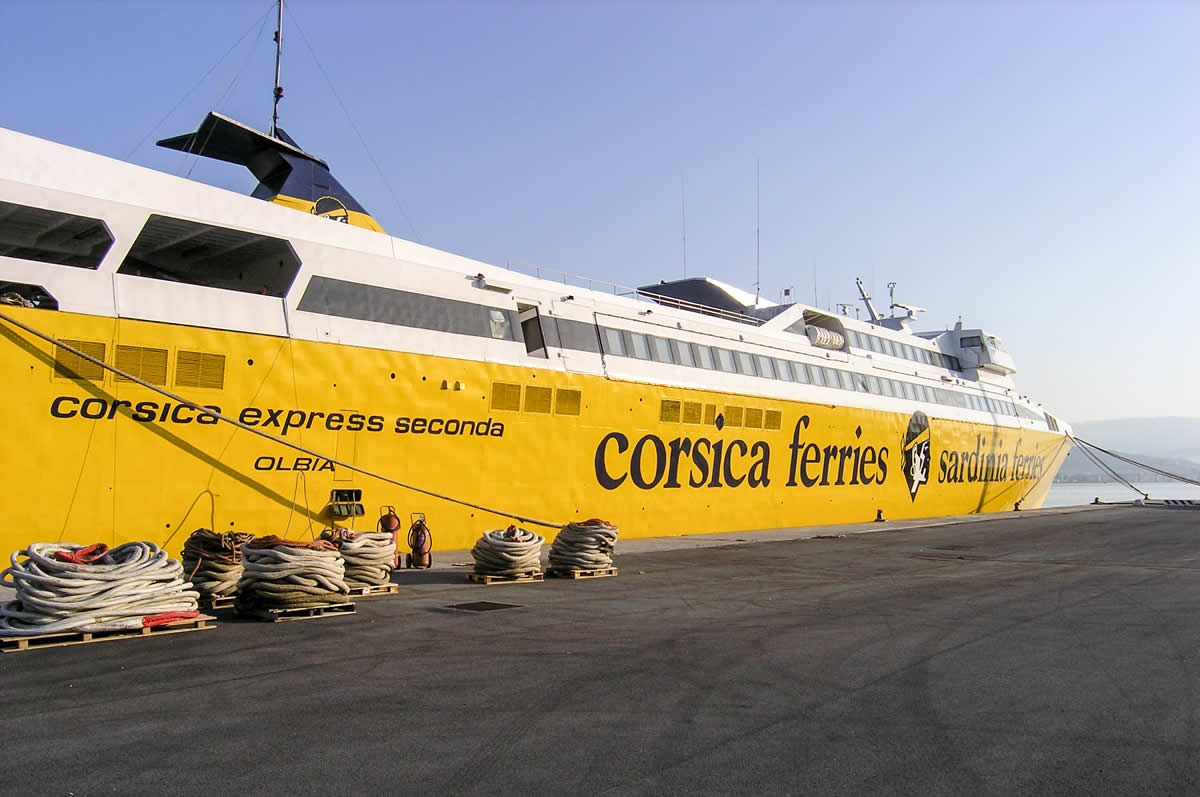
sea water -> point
(1112, 492)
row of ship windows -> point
(624, 343)
(508, 396)
(675, 411)
(192, 368)
(867, 342)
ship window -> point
(925, 358)
(773, 419)
(783, 370)
(537, 399)
(692, 411)
(745, 364)
(705, 357)
(660, 348)
(710, 414)
(640, 348)
(214, 257)
(852, 336)
(873, 384)
(1051, 422)
(817, 372)
(506, 396)
(876, 344)
(764, 366)
(199, 369)
(360, 302)
(48, 236)
(566, 401)
(847, 380)
(860, 383)
(800, 371)
(72, 366)
(149, 365)
(733, 416)
(669, 411)
(683, 353)
(970, 342)
(613, 344)
(885, 387)
(754, 418)
(954, 362)
(909, 354)
(725, 360)
(573, 335)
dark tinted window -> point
(48, 236)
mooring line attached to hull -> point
(234, 422)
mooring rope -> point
(287, 574)
(253, 430)
(508, 552)
(583, 546)
(62, 586)
(370, 555)
(213, 562)
(1135, 463)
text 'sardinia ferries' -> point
(685, 407)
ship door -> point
(531, 330)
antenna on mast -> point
(278, 91)
(757, 240)
(683, 210)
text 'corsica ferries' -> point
(177, 356)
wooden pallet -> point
(300, 613)
(524, 578)
(65, 638)
(217, 602)
(377, 589)
(604, 572)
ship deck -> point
(1036, 652)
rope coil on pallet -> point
(370, 555)
(288, 574)
(63, 586)
(213, 561)
(584, 546)
(508, 552)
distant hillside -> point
(1172, 444)
(1173, 438)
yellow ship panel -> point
(91, 458)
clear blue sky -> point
(1031, 166)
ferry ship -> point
(180, 356)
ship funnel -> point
(287, 175)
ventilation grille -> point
(733, 416)
(537, 399)
(506, 396)
(566, 402)
(199, 369)
(71, 366)
(149, 365)
(691, 412)
(754, 418)
(669, 411)
(772, 419)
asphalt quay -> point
(1050, 652)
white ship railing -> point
(604, 286)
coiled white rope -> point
(115, 592)
(508, 552)
(213, 562)
(286, 576)
(370, 555)
(583, 546)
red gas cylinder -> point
(389, 523)
(421, 543)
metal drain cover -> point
(482, 606)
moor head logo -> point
(916, 453)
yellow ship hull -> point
(92, 458)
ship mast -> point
(278, 91)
